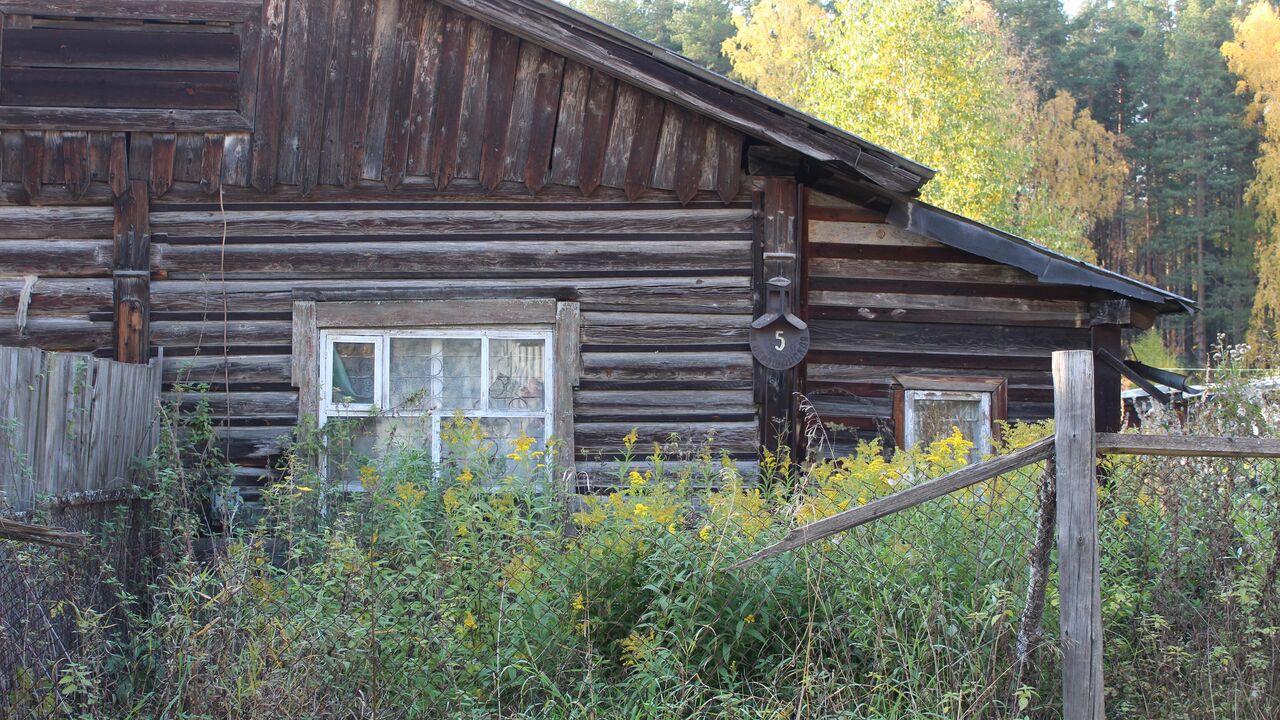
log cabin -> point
(316, 207)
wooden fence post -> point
(1079, 581)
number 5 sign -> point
(779, 340)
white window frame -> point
(381, 338)
(982, 445)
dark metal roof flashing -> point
(1049, 266)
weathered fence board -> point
(71, 424)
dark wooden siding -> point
(882, 301)
(664, 291)
(393, 93)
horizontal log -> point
(239, 404)
(931, 338)
(420, 189)
(56, 333)
(636, 405)
(206, 10)
(100, 88)
(55, 223)
(456, 259)
(357, 221)
(63, 258)
(133, 50)
(919, 361)
(630, 329)
(927, 255)
(664, 294)
(125, 120)
(252, 446)
(663, 368)
(864, 233)
(883, 374)
(210, 333)
(976, 273)
(56, 296)
(946, 316)
(235, 369)
(831, 405)
(596, 438)
(1187, 446)
(1066, 309)
(903, 500)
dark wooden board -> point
(133, 50)
(97, 88)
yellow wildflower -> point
(637, 480)
(466, 476)
(469, 621)
(630, 440)
(705, 533)
(671, 528)
(579, 603)
(515, 456)
(304, 488)
(1122, 519)
(641, 510)
(749, 619)
(523, 443)
(462, 530)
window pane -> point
(516, 377)
(353, 371)
(356, 442)
(933, 418)
(499, 443)
(434, 373)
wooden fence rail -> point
(71, 425)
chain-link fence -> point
(61, 605)
(1190, 549)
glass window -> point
(391, 389)
(931, 414)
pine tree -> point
(1199, 169)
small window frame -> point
(907, 387)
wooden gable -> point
(403, 93)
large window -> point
(928, 407)
(392, 386)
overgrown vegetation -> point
(473, 590)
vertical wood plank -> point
(315, 88)
(568, 365)
(622, 132)
(386, 51)
(595, 131)
(1106, 379)
(504, 55)
(516, 147)
(1079, 580)
(644, 145)
(331, 151)
(570, 124)
(77, 169)
(118, 173)
(163, 148)
(296, 106)
(448, 110)
(664, 163)
(395, 151)
(729, 171)
(306, 360)
(689, 159)
(775, 228)
(475, 98)
(422, 106)
(32, 161)
(211, 163)
(266, 124)
(140, 156)
(542, 121)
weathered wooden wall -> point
(664, 290)
(347, 93)
(882, 301)
(71, 424)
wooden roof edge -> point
(681, 81)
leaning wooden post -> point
(1079, 574)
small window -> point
(393, 388)
(927, 408)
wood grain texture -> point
(1079, 573)
(1186, 445)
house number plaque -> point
(779, 340)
